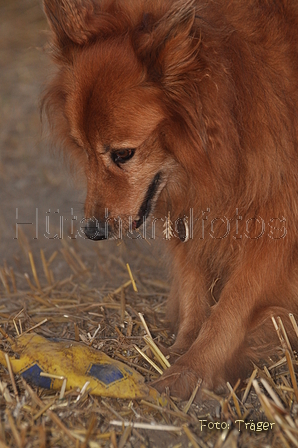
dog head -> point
(121, 101)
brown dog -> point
(189, 108)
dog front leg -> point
(214, 356)
(188, 304)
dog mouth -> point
(147, 204)
(96, 230)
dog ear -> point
(170, 48)
(70, 20)
(167, 45)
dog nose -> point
(95, 230)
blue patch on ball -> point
(32, 375)
(106, 373)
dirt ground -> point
(37, 195)
(30, 177)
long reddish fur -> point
(222, 78)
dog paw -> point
(180, 381)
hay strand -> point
(131, 278)
(12, 379)
(152, 363)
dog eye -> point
(122, 155)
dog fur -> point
(200, 97)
